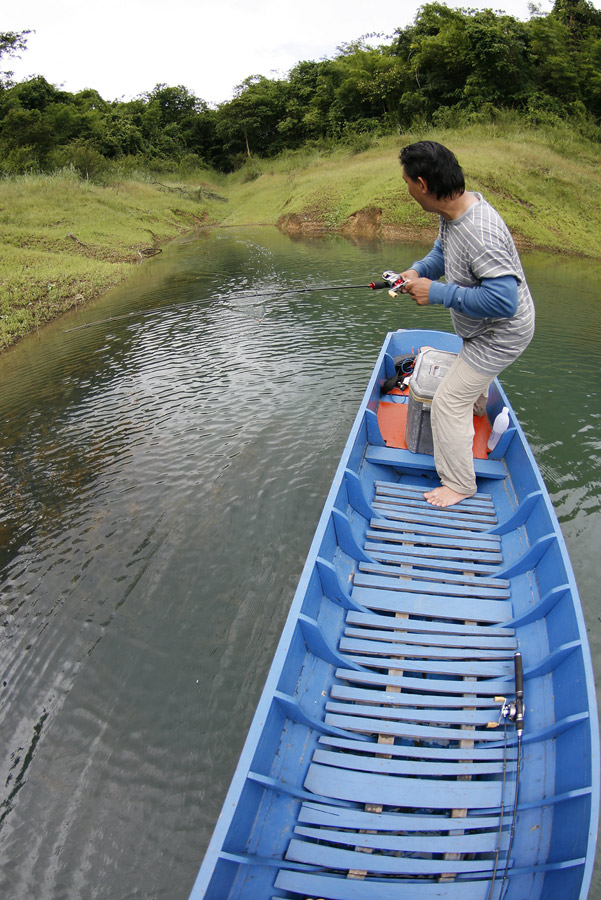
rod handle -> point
(519, 675)
(519, 693)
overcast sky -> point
(123, 48)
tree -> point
(577, 15)
(11, 43)
(248, 124)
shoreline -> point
(367, 223)
(68, 240)
(362, 225)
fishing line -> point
(244, 295)
(502, 816)
(515, 812)
(517, 716)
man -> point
(487, 294)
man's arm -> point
(493, 298)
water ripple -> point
(161, 476)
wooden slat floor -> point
(428, 783)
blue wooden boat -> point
(372, 769)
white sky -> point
(123, 48)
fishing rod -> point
(512, 711)
(391, 280)
(516, 715)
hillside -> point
(64, 240)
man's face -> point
(419, 191)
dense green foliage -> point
(450, 67)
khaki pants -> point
(462, 392)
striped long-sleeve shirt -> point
(477, 255)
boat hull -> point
(371, 768)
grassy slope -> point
(64, 240)
(548, 188)
(547, 194)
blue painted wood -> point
(406, 461)
(432, 666)
(480, 500)
(503, 445)
(332, 586)
(531, 558)
(447, 607)
(346, 538)
(291, 790)
(425, 626)
(337, 817)
(476, 513)
(488, 687)
(468, 717)
(408, 650)
(439, 588)
(311, 884)
(399, 698)
(318, 643)
(439, 536)
(406, 731)
(386, 701)
(389, 366)
(373, 429)
(335, 858)
(410, 516)
(366, 787)
(471, 581)
(444, 752)
(501, 646)
(520, 515)
(416, 556)
(357, 498)
(481, 510)
(543, 607)
(465, 843)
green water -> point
(161, 477)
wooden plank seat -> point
(382, 863)
(337, 887)
(365, 641)
(364, 745)
(389, 766)
(416, 603)
(443, 542)
(425, 557)
(436, 685)
(315, 813)
(426, 570)
(435, 794)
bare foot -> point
(444, 496)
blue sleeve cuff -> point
(437, 295)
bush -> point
(87, 161)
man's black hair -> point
(436, 165)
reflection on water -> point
(162, 474)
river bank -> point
(65, 240)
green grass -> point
(546, 189)
(64, 240)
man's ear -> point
(423, 183)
